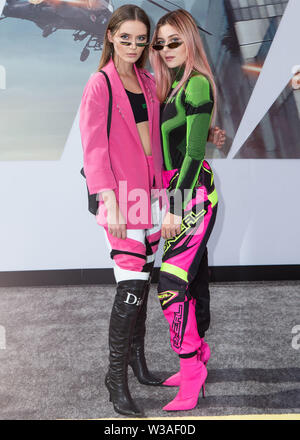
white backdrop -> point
(45, 223)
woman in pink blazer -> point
(125, 171)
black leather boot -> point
(124, 313)
(137, 358)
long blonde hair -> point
(119, 16)
(185, 25)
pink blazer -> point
(122, 159)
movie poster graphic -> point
(49, 48)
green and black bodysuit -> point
(185, 123)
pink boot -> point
(174, 381)
(193, 374)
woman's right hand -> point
(116, 223)
(115, 220)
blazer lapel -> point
(120, 99)
(122, 103)
(148, 97)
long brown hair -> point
(120, 15)
(196, 57)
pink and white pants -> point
(134, 257)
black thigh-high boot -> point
(137, 353)
(124, 313)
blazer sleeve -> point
(93, 130)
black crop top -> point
(138, 105)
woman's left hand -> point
(217, 136)
(171, 226)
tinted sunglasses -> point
(129, 43)
(173, 45)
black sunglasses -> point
(173, 45)
(129, 43)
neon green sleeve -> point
(198, 108)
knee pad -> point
(170, 290)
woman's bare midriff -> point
(143, 129)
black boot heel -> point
(140, 369)
(137, 359)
